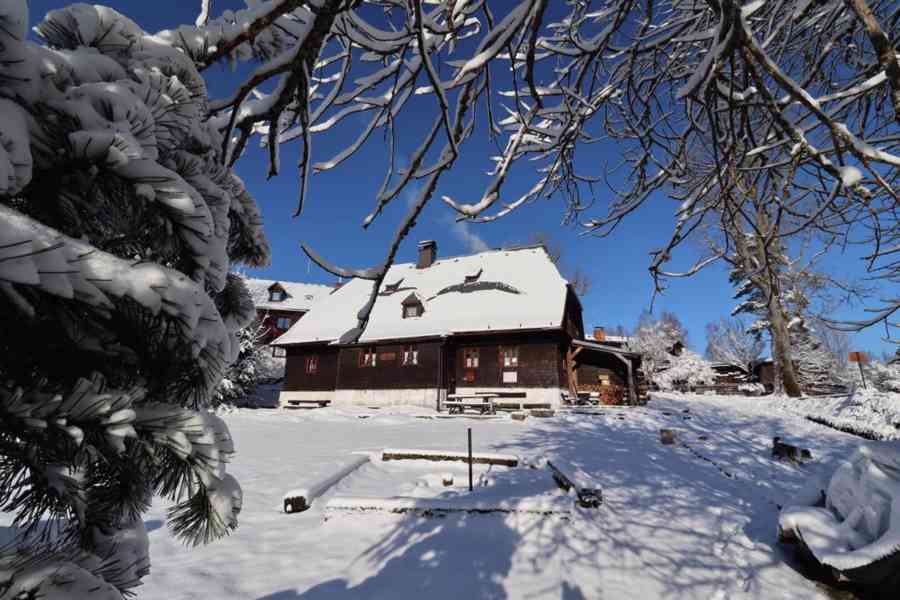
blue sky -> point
(339, 200)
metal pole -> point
(470, 459)
(862, 374)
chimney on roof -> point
(427, 254)
(599, 333)
(338, 284)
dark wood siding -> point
(572, 318)
(389, 371)
(296, 379)
(538, 360)
(592, 365)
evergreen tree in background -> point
(118, 227)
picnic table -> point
(481, 401)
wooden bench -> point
(458, 403)
(307, 403)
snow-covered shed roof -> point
(298, 296)
(497, 290)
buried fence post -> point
(470, 459)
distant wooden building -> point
(728, 373)
(280, 304)
(498, 321)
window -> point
(276, 295)
(278, 351)
(412, 306)
(312, 364)
(470, 358)
(410, 355)
(509, 357)
(283, 323)
(367, 357)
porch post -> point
(632, 395)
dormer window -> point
(412, 307)
(277, 293)
(473, 277)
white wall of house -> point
(551, 396)
(425, 397)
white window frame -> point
(471, 358)
(280, 320)
(410, 356)
(369, 359)
(276, 295)
(279, 351)
(509, 356)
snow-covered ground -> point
(867, 412)
(677, 522)
(694, 520)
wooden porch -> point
(603, 374)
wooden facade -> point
(300, 374)
(504, 360)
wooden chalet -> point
(501, 321)
(280, 304)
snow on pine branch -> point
(119, 225)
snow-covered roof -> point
(601, 347)
(298, 296)
(514, 289)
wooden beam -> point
(572, 374)
(632, 392)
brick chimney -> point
(599, 333)
(427, 254)
(338, 284)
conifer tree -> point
(119, 223)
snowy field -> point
(672, 525)
(695, 520)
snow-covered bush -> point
(655, 339)
(883, 377)
(118, 227)
(686, 369)
(254, 366)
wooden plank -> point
(504, 460)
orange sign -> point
(858, 357)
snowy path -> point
(673, 525)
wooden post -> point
(470, 459)
(632, 394)
(859, 358)
(572, 373)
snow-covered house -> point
(280, 304)
(496, 321)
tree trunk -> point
(785, 373)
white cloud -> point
(472, 241)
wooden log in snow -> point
(588, 493)
(300, 499)
(480, 458)
(427, 507)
